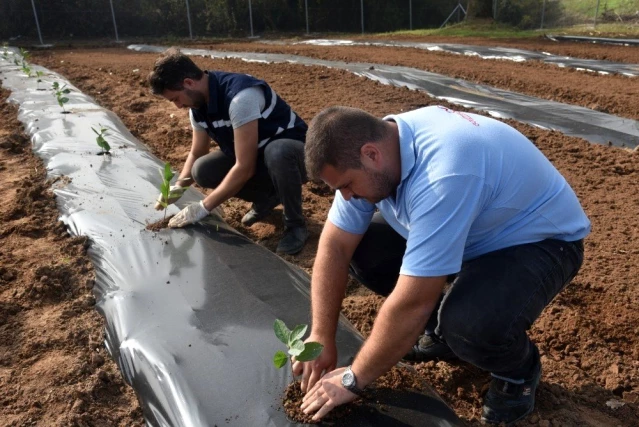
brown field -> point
(53, 367)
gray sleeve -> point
(247, 106)
(194, 125)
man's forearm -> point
(328, 286)
(185, 178)
(399, 323)
(229, 187)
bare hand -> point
(312, 371)
(326, 394)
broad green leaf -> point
(96, 132)
(296, 348)
(280, 359)
(281, 331)
(297, 333)
(311, 351)
(64, 100)
(66, 91)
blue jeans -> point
(280, 172)
(491, 302)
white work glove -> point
(175, 192)
(190, 214)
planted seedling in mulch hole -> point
(25, 68)
(401, 382)
(25, 54)
(102, 142)
(59, 92)
(39, 74)
(304, 352)
(165, 188)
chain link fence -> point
(68, 20)
(531, 14)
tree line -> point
(80, 19)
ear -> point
(188, 83)
(370, 155)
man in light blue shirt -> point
(424, 198)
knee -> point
(205, 174)
(464, 326)
(197, 172)
(283, 154)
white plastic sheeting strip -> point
(572, 120)
(189, 313)
(496, 52)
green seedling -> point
(59, 92)
(302, 351)
(165, 187)
(39, 74)
(102, 143)
(26, 69)
(25, 54)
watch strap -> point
(353, 387)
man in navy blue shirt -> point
(261, 140)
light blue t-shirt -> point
(469, 185)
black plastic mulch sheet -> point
(489, 52)
(572, 120)
(189, 312)
(603, 40)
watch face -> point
(348, 379)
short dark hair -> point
(335, 137)
(171, 69)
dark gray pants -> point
(491, 303)
(280, 172)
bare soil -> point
(53, 368)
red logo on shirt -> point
(460, 114)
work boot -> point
(260, 211)
(430, 347)
(293, 240)
(508, 401)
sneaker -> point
(293, 240)
(507, 402)
(430, 347)
(259, 211)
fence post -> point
(306, 9)
(188, 17)
(115, 26)
(410, 13)
(361, 2)
(35, 14)
(596, 13)
(543, 13)
(251, 17)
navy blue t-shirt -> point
(278, 119)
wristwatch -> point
(349, 382)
